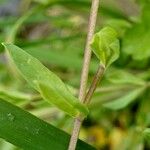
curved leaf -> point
(106, 46)
(34, 73)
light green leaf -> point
(123, 77)
(125, 100)
(14, 96)
(53, 96)
(120, 25)
(106, 46)
(136, 41)
(7, 146)
(43, 1)
(146, 133)
(35, 73)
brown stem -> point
(85, 71)
(97, 78)
(87, 52)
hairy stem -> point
(85, 71)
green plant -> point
(122, 79)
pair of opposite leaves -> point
(104, 44)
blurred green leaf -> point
(123, 77)
(54, 58)
(143, 114)
(143, 1)
(43, 1)
(105, 45)
(146, 133)
(124, 100)
(14, 96)
(132, 140)
(34, 73)
(119, 25)
(7, 146)
(136, 41)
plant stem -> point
(87, 52)
(85, 71)
(97, 78)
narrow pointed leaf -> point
(34, 73)
(106, 46)
(124, 100)
(14, 96)
(117, 76)
(30, 133)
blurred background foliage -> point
(54, 31)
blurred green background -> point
(54, 31)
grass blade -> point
(30, 133)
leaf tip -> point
(5, 44)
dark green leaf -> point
(30, 133)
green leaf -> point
(14, 96)
(123, 77)
(143, 114)
(7, 146)
(146, 133)
(120, 25)
(54, 57)
(106, 46)
(52, 95)
(136, 42)
(30, 133)
(124, 100)
(43, 1)
(35, 73)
